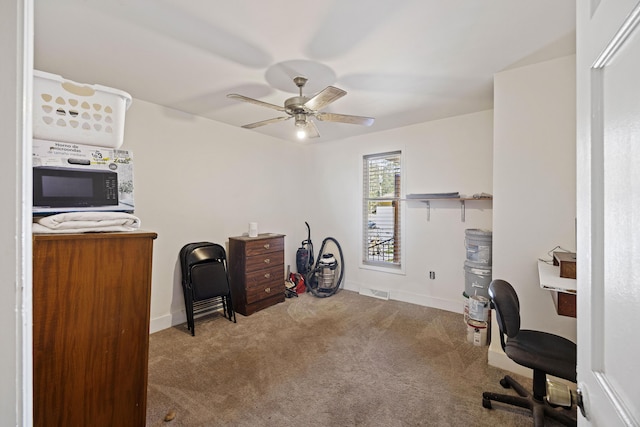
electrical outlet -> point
(432, 275)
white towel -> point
(85, 222)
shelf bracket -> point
(462, 204)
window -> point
(381, 244)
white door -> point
(608, 197)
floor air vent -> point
(375, 293)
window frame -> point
(399, 213)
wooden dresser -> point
(256, 271)
(91, 295)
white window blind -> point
(381, 209)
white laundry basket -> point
(67, 111)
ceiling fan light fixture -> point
(301, 120)
(301, 125)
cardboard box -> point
(59, 154)
(567, 263)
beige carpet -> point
(347, 360)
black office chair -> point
(205, 281)
(543, 352)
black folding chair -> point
(205, 281)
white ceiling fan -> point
(302, 109)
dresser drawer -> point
(263, 246)
(264, 284)
(263, 261)
(266, 277)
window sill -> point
(383, 268)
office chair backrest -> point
(505, 301)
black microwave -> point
(69, 188)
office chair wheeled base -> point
(538, 407)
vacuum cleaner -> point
(326, 276)
(304, 255)
(323, 278)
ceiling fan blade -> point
(312, 130)
(255, 101)
(344, 118)
(266, 122)
(325, 97)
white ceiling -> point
(401, 61)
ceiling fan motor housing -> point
(295, 105)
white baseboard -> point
(498, 359)
(351, 286)
(439, 303)
(426, 301)
(167, 321)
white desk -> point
(563, 290)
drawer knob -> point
(267, 275)
(267, 246)
(267, 261)
(267, 290)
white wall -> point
(453, 154)
(534, 184)
(201, 180)
(196, 179)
